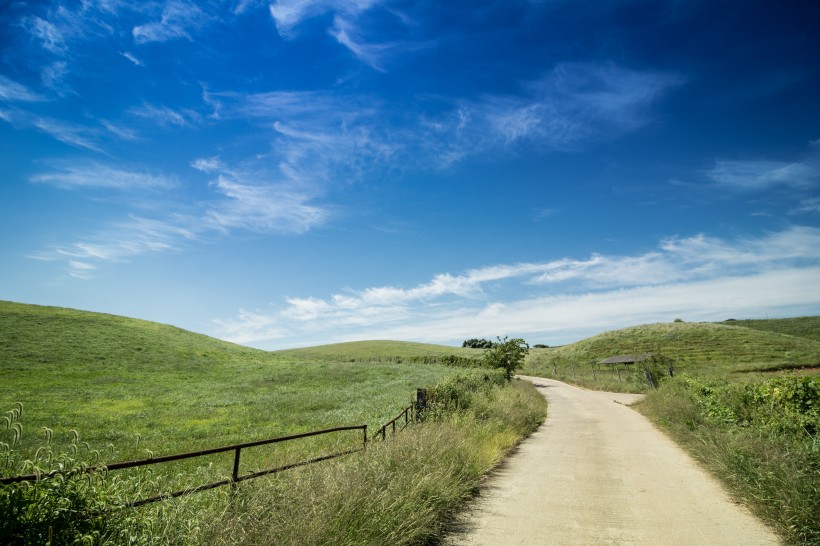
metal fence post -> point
(235, 474)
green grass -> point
(760, 438)
(807, 327)
(135, 389)
(402, 492)
(114, 379)
(379, 350)
(702, 348)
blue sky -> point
(300, 172)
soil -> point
(598, 472)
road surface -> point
(598, 472)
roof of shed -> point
(627, 359)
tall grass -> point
(759, 438)
(402, 491)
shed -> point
(627, 359)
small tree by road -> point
(507, 354)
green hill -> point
(116, 379)
(705, 347)
(370, 351)
(807, 327)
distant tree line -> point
(478, 344)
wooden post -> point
(421, 403)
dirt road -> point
(598, 472)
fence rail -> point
(235, 477)
(410, 414)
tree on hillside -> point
(507, 354)
(476, 343)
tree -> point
(507, 354)
(476, 343)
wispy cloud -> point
(240, 200)
(121, 241)
(131, 57)
(74, 134)
(808, 205)
(755, 175)
(287, 14)
(12, 91)
(694, 277)
(95, 175)
(572, 105)
(264, 208)
(164, 116)
(178, 18)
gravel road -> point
(598, 472)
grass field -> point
(135, 389)
(703, 348)
(113, 379)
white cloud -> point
(132, 58)
(263, 208)
(122, 241)
(164, 116)
(73, 134)
(809, 205)
(120, 131)
(241, 200)
(178, 18)
(52, 37)
(287, 14)
(208, 164)
(572, 105)
(96, 175)
(761, 174)
(694, 277)
(15, 92)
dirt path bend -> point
(598, 472)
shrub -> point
(760, 437)
(507, 354)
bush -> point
(507, 355)
(759, 437)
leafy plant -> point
(507, 354)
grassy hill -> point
(369, 351)
(116, 379)
(807, 327)
(148, 390)
(713, 349)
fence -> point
(410, 414)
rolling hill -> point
(703, 346)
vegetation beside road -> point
(761, 438)
(745, 401)
(98, 388)
(705, 349)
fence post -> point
(651, 379)
(235, 474)
(365, 436)
(421, 403)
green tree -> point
(507, 354)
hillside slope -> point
(114, 379)
(702, 345)
(807, 327)
(376, 349)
